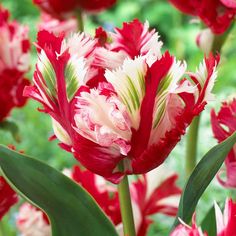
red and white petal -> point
(167, 105)
(204, 78)
(129, 84)
(142, 43)
(79, 44)
(61, 133)
(205, 40)
(103, 119)
(31, 221)
(229, 3)
(56, 26)
(226, 222)
(185, 230)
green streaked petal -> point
(74, 76)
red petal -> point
(140, 137)
(7, 197)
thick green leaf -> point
(209, 222)
(201, 177)
(71, 210)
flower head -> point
(56, 26)
(58, 8)
(135, 112)
(226, 222)
(32, 221)
(186, 230)
(14, 63)
(154, 193)
(216, 14)
(223, 125)
(7, 197)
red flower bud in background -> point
(14, 63)
(7, 197)
(137, 110)
(58, 8)
(32, 221)
(216, 14)
(57, 26)
(205, 40)
(223, 125)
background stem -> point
(80, 21)
(126, 207)
(191, 149)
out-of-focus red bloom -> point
(216, 14)
(104, 193)
(205, 40)
(56, 26)
(229, 3)
(186, 230)
(14, 63)
(7, 197)
(226, 222)
(135, 115)
(31, 221)
(152, 193)
(223, 125)
(59, 9)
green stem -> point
(2, 229)
(80, 20)
(126, 207)
(191, 149)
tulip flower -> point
(56, 26)
(151, 193)
(154, 193)
(223, 125)
(32, 221)
(58, 8)
(14, 63)
(8, 197)
(185, 230)
(225, 223)
(216, 14)
(135, 115)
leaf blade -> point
(201, 177)
(71, 210)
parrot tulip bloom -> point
(7, 197)
(154, 193)
(14, 63)
(58, 26)
(32, 221)
(135, 115)
(223, 125)
(58, 8)
(186, 230)
(216, 14)
(226, 222)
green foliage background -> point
(179, 35)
